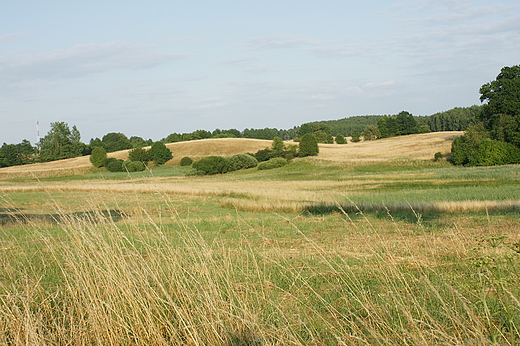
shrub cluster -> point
(118, 165)
(114, 165)
(475, 148)
(140, 154)
(242, 161)
(272, 163)
(212, 165)
(218, 164)
(133, 166)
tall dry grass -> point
(119, 283)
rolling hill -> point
(418, 146)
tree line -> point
(63, 142)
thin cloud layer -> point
(81, 60)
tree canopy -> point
(61, 142)
(501, 113)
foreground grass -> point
(180, 270)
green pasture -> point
(102, 267)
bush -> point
(186, 161)
(340, 139)
(98, 156)
(308, 145)
(242, 161)
(487, 152)
(139, 154)
(109, 161)
(133, 166)
(264, 155)
(212, 165)
(160, 153)
(272, 163)
(115, 165)
(438, 156)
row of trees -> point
(266, 133)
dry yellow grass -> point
(417, 147)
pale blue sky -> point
(152, 68)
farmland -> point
(369, 243)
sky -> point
(152, 68)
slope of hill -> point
(420, 146)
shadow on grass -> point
(16, 216)
(409, 212)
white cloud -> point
(81, 60)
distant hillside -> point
(346, 126)
(421, 146)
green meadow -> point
(399, 252)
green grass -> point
(179, 269)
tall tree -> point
(501, 113)
(160, 153)
(308, 145)
(61, 143)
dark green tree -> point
(370, 133)
(115, 141)
(98, 156)
(160, 153)
(139, 154)
(278, 145)
(464, 149)
(9, 155)
(340, 139)
(61, 143)
(501, 113)
(308, 145)
(355, 136)
(406, 123)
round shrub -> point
(212, 165)
(109, 161)
(115, 166)
(133, 166)
(272, 163)
(242, 161)
(186, 161)
(98, 156)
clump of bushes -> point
(114, 165)
(133, 166)
(242, 161)
(475, 148)
(272, 163)
(212, 165)
(139, 154)
(186, 161)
